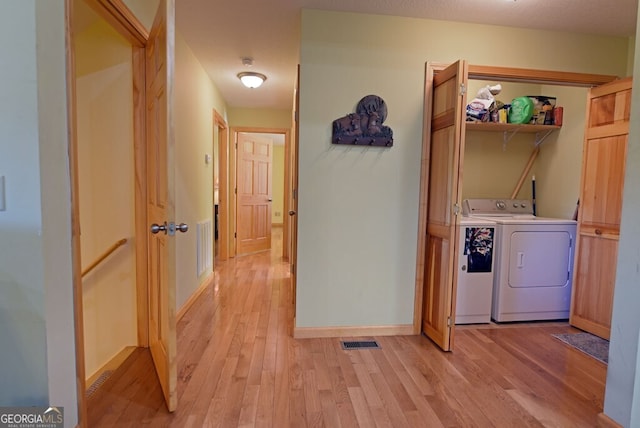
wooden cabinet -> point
(441, 177)
(603, 164)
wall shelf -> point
(511, 129)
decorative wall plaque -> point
(364, 127)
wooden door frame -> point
(126, 24)
(290, 238)
(221, 129)
(286, 206)
(233, 181)
(476, 72)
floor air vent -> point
(354, 344)
(98, 382)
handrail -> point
(104, 255)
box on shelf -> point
(542, 109)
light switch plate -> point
(3, 206)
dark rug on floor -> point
(591, 345)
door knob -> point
(269, 199)
(155, 228)
(292, 213)
(182, 227)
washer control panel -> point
(497, 207)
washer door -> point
(539, 259)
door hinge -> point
(296, 116)
(235, 234)
(448, 321)
(463, 89)
(295, 193)
(293, 269)
(235, 190)
(456, 209)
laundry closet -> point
(497, 162)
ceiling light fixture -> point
(251, 79)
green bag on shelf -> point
(521, 110)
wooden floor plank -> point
(239, 366)
(361, 407)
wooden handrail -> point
(104, 255)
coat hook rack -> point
(364, 127)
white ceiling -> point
(221, 32)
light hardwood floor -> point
(239, 366)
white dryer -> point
(534, 260)
(475, 271)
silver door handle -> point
(292, 213)
(182, 227)
(155, 228)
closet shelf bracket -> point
(507, 136)
(541, 136)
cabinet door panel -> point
(595, 275)
(609, 104)
(601, 200)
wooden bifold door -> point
(603, 165)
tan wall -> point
(559, 164)
(277, 206)
(631, 56)
(144, 10)
(259, 118)
(358, 207)
(195, 99)
(492, 167)
(106, 183)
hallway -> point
(239, 366)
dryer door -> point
(539, 259)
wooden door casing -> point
(434, 71)
(222, 130)
(120, 18)
(603, 166)
(255, 156)
(293, 205)
(446, 146)
(160, 202)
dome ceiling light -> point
(251, 79)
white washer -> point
(475, 271)
(534, 260)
